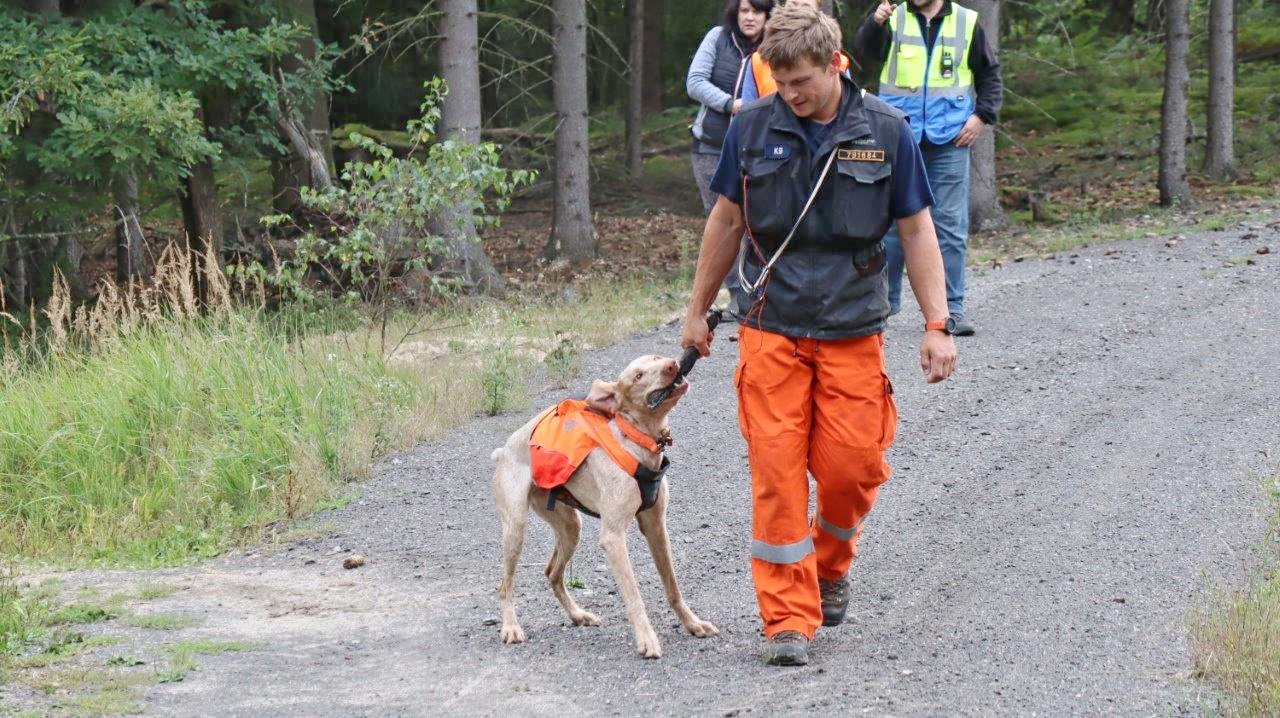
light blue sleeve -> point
(698, 83)
(749, 90)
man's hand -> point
(737, 105)
(884, 12)
(696, 334)
(973, 128)
(937, 356)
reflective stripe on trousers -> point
(819, 407)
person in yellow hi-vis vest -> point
(940, 71)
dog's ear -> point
(603, 396)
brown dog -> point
(600, 484)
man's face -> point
(925, 4)
(806, 87)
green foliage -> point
(172, 441)
(500, 376)
(380, 224)
(23, 612)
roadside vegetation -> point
(1235, 635)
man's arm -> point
(871, 42)
(924, 270)
(715, 258)
(987, 82)
(988, 86)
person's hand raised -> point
(884, 11)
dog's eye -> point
(639, 375)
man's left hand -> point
(973, 128)
(937, 356)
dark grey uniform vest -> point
(829, 283)
(712, 123)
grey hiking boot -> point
(961, 326)
(787, 648)
(835, 600)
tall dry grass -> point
(142, 430)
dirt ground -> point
(1056, 509)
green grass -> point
(1235, 635)
(163, 621)
(182, 655)
(174, 440)
(180, 438)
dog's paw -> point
(648, 647)
(585, 618)
(512, 634)
(701, 628)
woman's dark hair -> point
(731, 18)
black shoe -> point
(787, 648)
(835, 600)
(962, 326)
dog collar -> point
(646, 442)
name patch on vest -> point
(777, 152)
(860, 155)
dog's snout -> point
(670, 367)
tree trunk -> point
(655, 26)
(827, 6)
(460, 120)
(1119, 20)
(129, 240)
(1173, 120)
(572, 234)
(299, 169)
(635, 87)
(985, 212)
(1220, 154)
(44, 7)
(202, 218)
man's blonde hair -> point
(797, 30)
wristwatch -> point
(947, 327)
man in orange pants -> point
(814, 175)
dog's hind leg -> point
(567, 526)
(653, 524)
(515, 515)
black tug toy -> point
(687, 361)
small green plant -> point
(154, 591)
(376, 237)
(82, 613)
(500, 376)
(163, 621)
(126, 661)
(575, 582)
(564, 363)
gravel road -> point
(1056, 509)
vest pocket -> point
(770, 198)
(864, 189)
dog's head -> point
(630, 393)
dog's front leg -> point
(653, 524)
(613, 540)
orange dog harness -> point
(567, 432)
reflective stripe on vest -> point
(912, 79)
(782, 553)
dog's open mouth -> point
(674, 390)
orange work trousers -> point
(820, 407)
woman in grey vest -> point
(715, 80)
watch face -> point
(951, 325)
